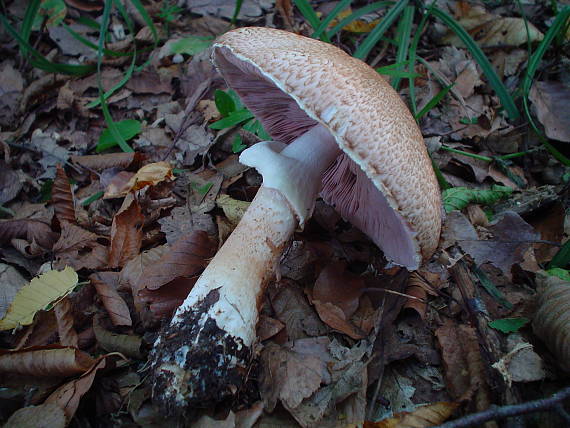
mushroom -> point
(338, 129)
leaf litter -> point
(344, 339)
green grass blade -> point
(234, 118)
(29, 17)
(562, 258)
(330, 17)
(559, 25)
(378, 31)
(433, 102)
(104, 107)
(39, 60)
(118, 86)
(92, 45)
(310, 15)
(236, 11)
(412, 62)
(480, 57)
(403, 41)
(357, 14)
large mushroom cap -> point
(384, 182)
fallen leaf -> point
(79, 248)
(423, 416)
(46, 415)
(45, 361)
(550, 100)
(114, 304)
(64, 316)
(10, 184)
(292, 309)
(126, 235)
(68, 395)
(186, 258)
(11, 92)
(233, 208)
(552, 319)
(512, 238)
(340, 287)
(126, 344)
(108, 160)
(151, 175)
(11, 281)
(31, 230)
(62, 198)
(334, 317)
(37, 295)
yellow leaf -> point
(150, 174)
(48, 288)
(356, 26)
(233, 209)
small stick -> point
(501, 412)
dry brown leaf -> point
(118, 186)
(80, 248)
(126, 344)
(163, 301)
(293, 310)
(151, 175)
(417, 287)
(64, 316)
(187, 257)
(68, 395)
(423, 416)
(550, 100)
(268, 327)
(293, 375)
(62, 198)
(30, 230)
(10, 184)
(464, 370)
(334, 317)
(126, 235)
(134, 268)
(114, 304)
(340, 287)
(46, 415)
(513, 237)
(551, 322)
(45, 361)
(108, 160)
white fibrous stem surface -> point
(204, 352)
(245, 261)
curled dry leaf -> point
(39, 293)
(551, 322)
(46, 415)
(126, 235)
(68, 395)
(64, 316)
(423, 416)
(150, 175)
(340, 287)
(417, 288)
(30, 230)
(80, 248)
(45, 361)
(109, 160)
(62, 198)
(114, 304)
(187, 257)
(126, 344)
(464, 370)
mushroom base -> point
(199, 364)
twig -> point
(501, 412)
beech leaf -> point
(48, 288)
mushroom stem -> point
(203, 355)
